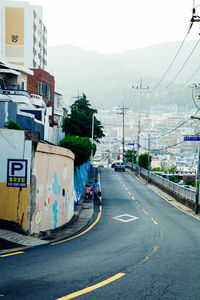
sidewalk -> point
(11, 240)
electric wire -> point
(178, 126)
(181, 67)
(162, 78)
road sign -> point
(17, 173)
(191, 138)
(131, 144)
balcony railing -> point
(19, 96)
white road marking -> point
(125, 218)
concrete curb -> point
(81, 218)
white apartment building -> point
(23, 36)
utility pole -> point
(139, 89)
(149, 158)
(77, 97)
(122, 112)
(197, 185)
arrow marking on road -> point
(125, 218)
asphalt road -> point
(140, 248)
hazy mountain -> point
(107, 79)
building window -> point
(43, 89)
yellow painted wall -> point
(14, 25)
(14, 204)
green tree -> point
(171, 169)
(143, 160)
(130, 156)
(80, 146)
(79, 121)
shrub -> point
(174, 179)
(190, 182)
(80, 146)
(13, 125)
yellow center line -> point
(93, 287)
(10, 254)
(145, 212)
(161, 234)
(129, 193)
(133, 198)
(126, 189)
(149, 256)
(154, 221)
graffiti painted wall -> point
(53, 174)
(80, 180)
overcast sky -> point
(110, 26)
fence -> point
(184, 195)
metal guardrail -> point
(169, 185)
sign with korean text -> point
(17, 173)
(191, 138)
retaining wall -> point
(47, 202)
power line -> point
(181, 67)
(178, 126)
(162, 78)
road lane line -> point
(145, 212)
(129, 193)
(155, 249)
(137, 203)
(161, 234)
(10, 254)
(92, 287)
(133, 198)
(126, 189)
(154, 221)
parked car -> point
(120, 166)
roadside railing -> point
(170, 186)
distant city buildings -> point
(23, 36)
